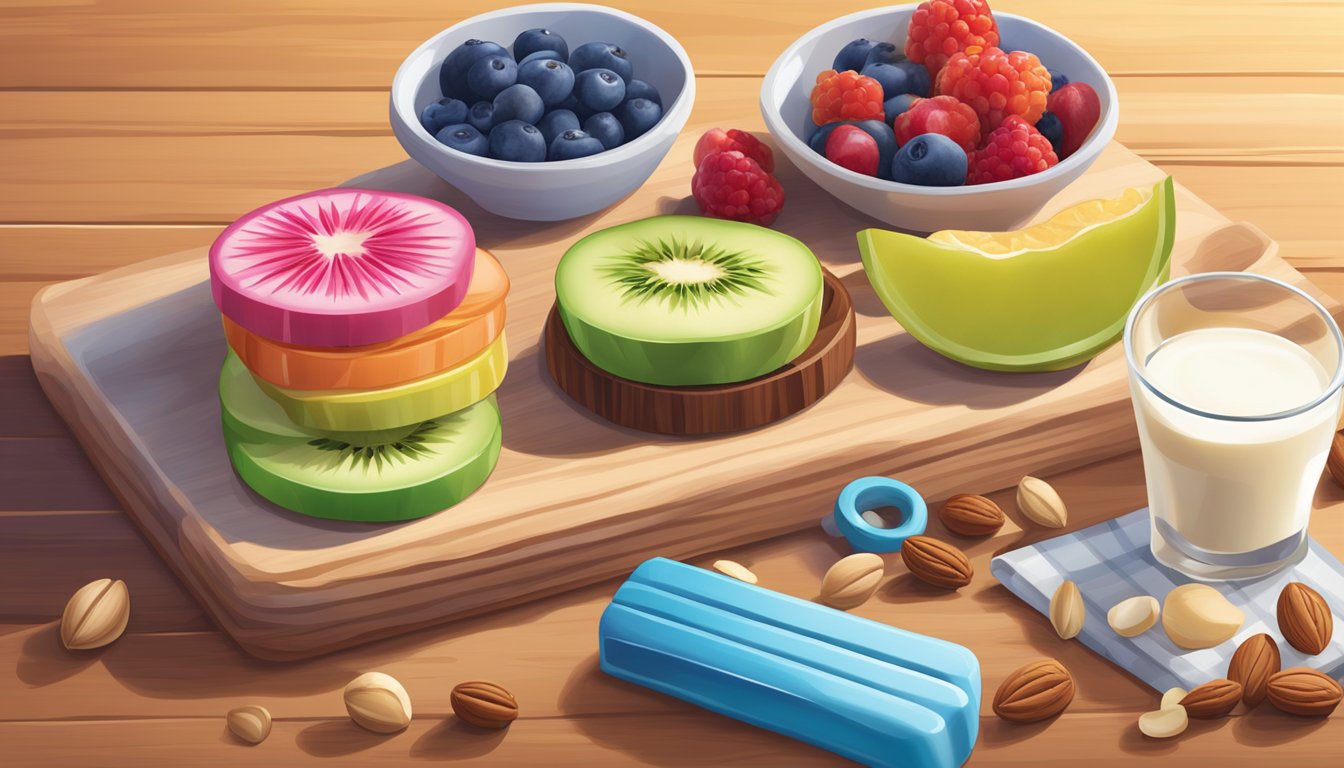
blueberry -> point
(893, 108)
(599, 89)
(570, 102)
(882, 53)
(817, 141)
(1051, 128)
(853, 55)
(536, 39)
(638, 89)
(552, 80)
(464, 138)
(1057, 82)
(637, 116)
(518, 102)
(491, 75)
(602, 56)
(517, 141)
(541, 56)
(889, 76)
(573, 144)
(453, 71)
(885, 137)
(556, 122)
(917, 79)
(930, 160)
(482, 116)
(440, 114)
(604, 127)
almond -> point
(378, 702)
(1039, 690)
(1197, 616)
(1212, 700)
(1164, 723)
(736, 570)
(1304, 691)
(1172, 697)
(484, 705)
(1255, 661)
(1040, 503)
(936, 562)
(1304, 618)
(971, 515)
(1134, 616)
(251, 723)
(95, 615)
(1067, 613)
(851, 581)
(1334, 461)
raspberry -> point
(940, 28)
(845, 96)
(1013, 150)
(718, 140)
(941, 114)
(730, 185)
(997, 84)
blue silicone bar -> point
(873, 693)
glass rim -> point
(1336, 381)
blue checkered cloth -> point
(1111, 561)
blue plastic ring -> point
(870, 493)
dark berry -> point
(464, 138)
(556, 122)
(599, 89)
(518, 102)
(440, 114)
(537, 39)
(574, 144)
(552, 80)
(637, 116)
(1057, 81)
(886, 144)
(851, 147)
(541, 56)
(897, 105)
(853, 55)
(882, 53)
(482, 116)
(638, 89)
(491, 75)
(453, 71)
(602, 56)
(930, 160)
(517, 141)
(917, 80)
(604, 127)
(1052, 128)
(817, 140)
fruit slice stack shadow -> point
(366, 340)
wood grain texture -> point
(713, 410)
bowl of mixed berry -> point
(544, 112)
(940, 115)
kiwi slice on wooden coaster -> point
(686, 300)
(382, 476)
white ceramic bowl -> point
(555, 190)
(999, 206)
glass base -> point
(1176, 552)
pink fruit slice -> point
(342, 267)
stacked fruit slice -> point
(366, 340)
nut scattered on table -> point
(251, 723)
(1172, 697)
(1304, 691)
(736, 570)
(1334, 461)
(1041, 503)
(1254, 662)
(1197, 616)
(1164, 723)
(1037, 691)
(936, 562)
(1067, 613)
(852, 580)
(1134, 616)
(378, 702)
(1304, 618)
(971, 515)
(484, 704)
(95, 615)
(1212, 700)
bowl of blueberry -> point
(544, 112)
(940, 115)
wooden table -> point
(137, 129)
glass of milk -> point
(1235, 380)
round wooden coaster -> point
(711, 410)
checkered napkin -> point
(1110, 561)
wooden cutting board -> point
(130, 359)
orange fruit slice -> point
(460, 336)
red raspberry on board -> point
(1013, 150)
(719, 140)
(940, 28)
(730, 185)
(846, 96)
(997, 84)
(940, 114)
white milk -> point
(1233, 486)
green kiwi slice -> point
(687, 300)
(367, 477)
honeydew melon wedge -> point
(1044, 298)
